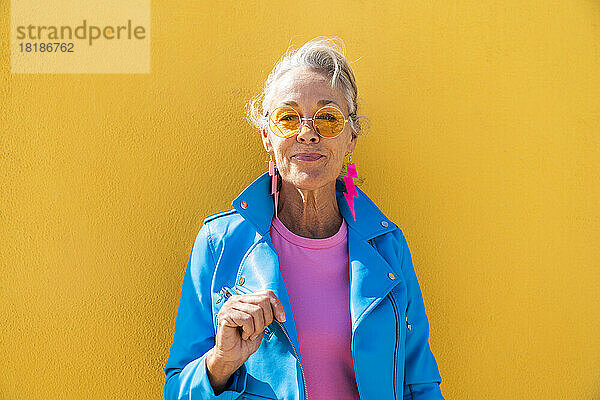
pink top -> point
(316, 276)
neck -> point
(309, 213)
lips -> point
(307, 156)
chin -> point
(311, 181)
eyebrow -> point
(319, 103)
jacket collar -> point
(259, 209)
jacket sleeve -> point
(185, 369)
(421, 377)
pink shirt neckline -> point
(310, 243)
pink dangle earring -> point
(350, 188)
(275, 182)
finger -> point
(262, 299)
(235, 318)
(276, 305)
(257, 336)
(265, 303)
(257, 313)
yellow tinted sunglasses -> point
(328, 121)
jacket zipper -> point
(297, 358)
(397, 336)
(226, 292)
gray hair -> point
(324, 55)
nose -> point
(309, 134)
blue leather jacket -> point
(233, 253)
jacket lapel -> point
(260, 271)
(369, 277)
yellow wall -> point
(484, 148)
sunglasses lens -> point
(284, 121)
(329, 121)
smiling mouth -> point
(308, 156)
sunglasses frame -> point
(310, 119)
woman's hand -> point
(240, 328)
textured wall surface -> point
(484, 147)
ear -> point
(351, 144)
(266, 142)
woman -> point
(304, 289)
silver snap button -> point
(244, 205)
(384, 224)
